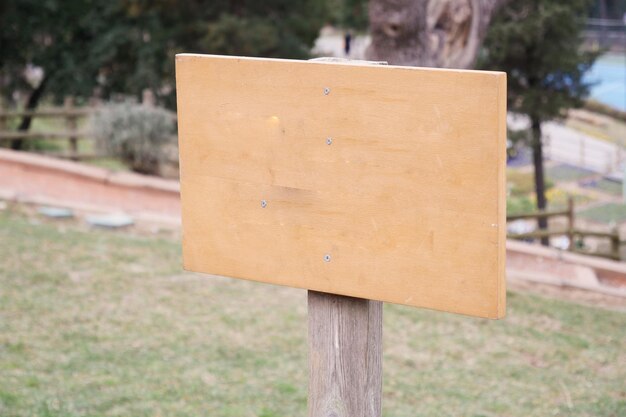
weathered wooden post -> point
(615, 244)
(361, 184)
(3, 118)
(345, 346)
(71, 125)
(345, 356)
(570, 223)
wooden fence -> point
(71, 133)
(570, 231)
(71, 116)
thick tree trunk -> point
(31, 104)
(438, 33)
(540, 187)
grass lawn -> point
(98, 323)
(606, 213)
(611, 187)
(564, 172)
(606, 185)
(86, 145)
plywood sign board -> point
(379, 182)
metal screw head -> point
(327, 258)
(329, 141)
(263, 203)
(326, 91)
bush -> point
(137, 134)
(522, 183)
(520, 205)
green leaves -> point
(538, 43)
(126, 46)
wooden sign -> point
(378, 182)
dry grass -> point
(95, 323)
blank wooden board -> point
(378, 182)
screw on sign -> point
(409, 210)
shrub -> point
(137, 134)
(520, 205)
(522, 183)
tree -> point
(441, 33)
(126, 46)
(349, 14)
(539, 44)
(56, 37)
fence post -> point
(71, 126)
(3, 118)
(615, 244)
(345, 356)
(147, 98)
(570, 223)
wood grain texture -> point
(345, 356)
(407, 200)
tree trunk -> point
(540, 187)
(31, 104)
(442, 33)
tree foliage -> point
(126, 46)
(349, 14)
(539, 44)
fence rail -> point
(570, 231)
(10, 135)
(72, 134)
(60, 112)
(68, 113)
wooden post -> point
(147, 98)
(345, 356)
(71, 126)
(570, 223)
(345, 350)
(615, 246)
(3, 119)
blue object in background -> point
(609, 72)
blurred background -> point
(96, 316)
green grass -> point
(111, 164)
(98, 323)
(522, 183)
(608, 186)
(565, 172)
(520, 205)
(86, 146)
(606, 213)
(558, 199)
